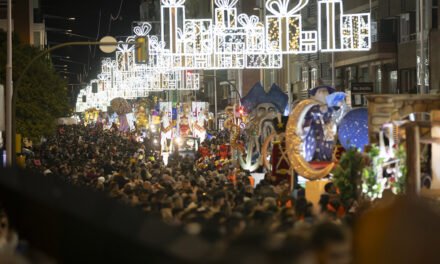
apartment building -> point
(393, 63)
(28, 21)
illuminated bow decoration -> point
(157, 45)
(281, 7)
(249, 22)
(125, 47)
(226, 4)
(102, 77)
(142, 30)
(172, 3)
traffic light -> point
(142, 50)
(94, 87)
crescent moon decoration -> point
(265, 149)
(294, 143)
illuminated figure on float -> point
(141, 117)
(311, 132)
(321, 123)
(200, 125)
(166, 130)
(185, 122)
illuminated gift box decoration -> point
(231, 41)
(341, 32)
(141, 39)
(284, 29)
(254, 32)
(125, 58)
(198, 41)
(230, 46)
(254, 50)
(356, 32)
(172, 11)
(226, 13)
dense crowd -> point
(216, 202)
(219, 205)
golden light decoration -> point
(294, 143)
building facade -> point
(393, 63)
(28, 23)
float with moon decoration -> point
(315, 127)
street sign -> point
(358, 93)
(362, 88)
(108, 48)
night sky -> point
(92, 20)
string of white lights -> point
(229, 41)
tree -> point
(42, 96)
(348, 174)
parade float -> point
(262, 108)
(91, 116)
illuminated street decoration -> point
(147, 63)
(340, 32)
(239, 41)
(284, 29)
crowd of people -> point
(208, 196)
(216, 202)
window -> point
(435, 14)
(404, 28)
(37, 39)
(378, 87)
(305, 78)
(364, 74)
(393, 82)
(314, 78)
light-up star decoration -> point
(230, 41)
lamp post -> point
(422, 21)
(215, 90)
(215, 76)
(59, 17)
(9, 89)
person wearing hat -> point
(319, 128)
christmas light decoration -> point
(146, 63)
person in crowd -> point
(215, 200)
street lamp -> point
(9, 87)
(69, 33)
(59, 56)
(60, 66)
(70, 61)
(59, 17)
